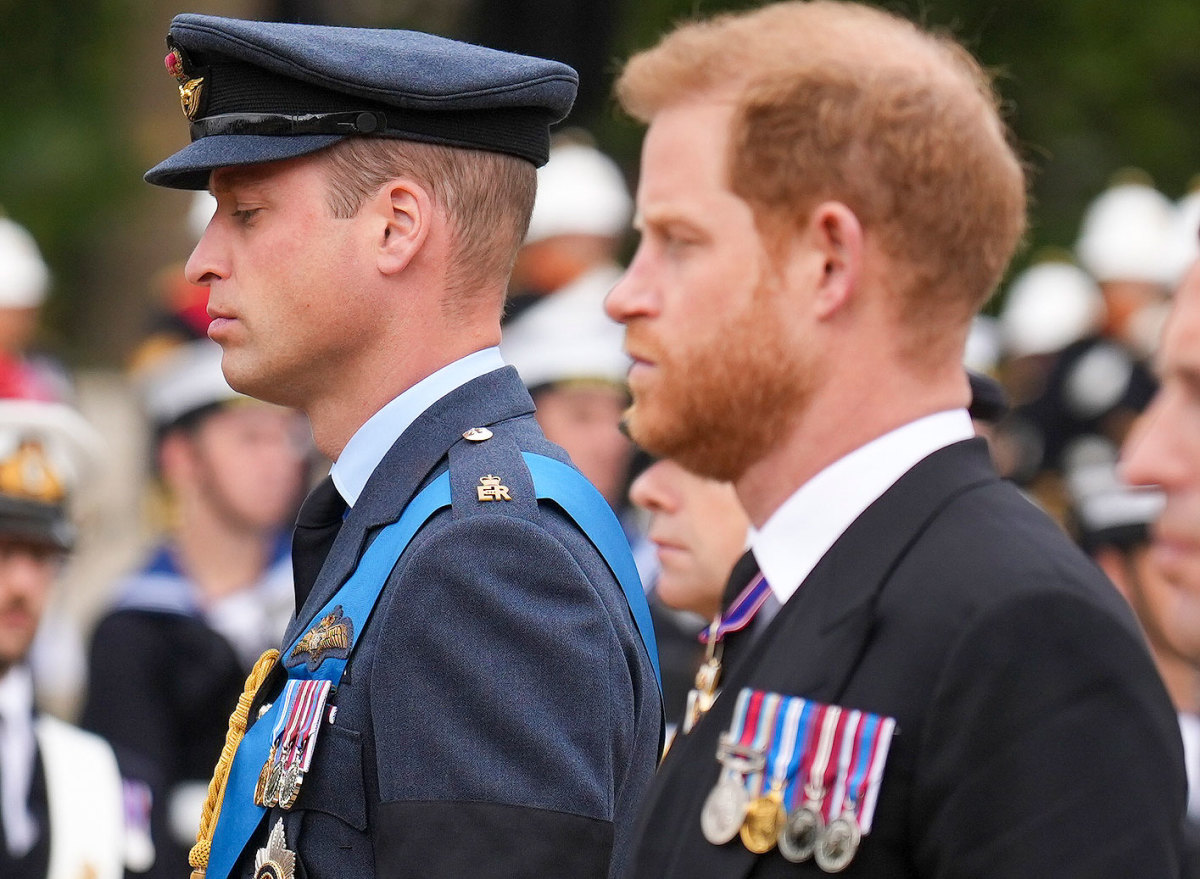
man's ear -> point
(405, 210)
(837, 235)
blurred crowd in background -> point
(185, 491)
(181, 574)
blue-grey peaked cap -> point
(258, 91)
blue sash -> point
(553, 481)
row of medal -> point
(799, 775)
(293, 741)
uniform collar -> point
(371, 442)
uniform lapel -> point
(810, 649)
(414, 458)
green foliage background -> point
(1093, 86)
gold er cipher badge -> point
(490, 489)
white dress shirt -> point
(807, 524)
(371, 442)
(1189, 728)
(18, 753)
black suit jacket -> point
(1034, 737)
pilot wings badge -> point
(332, 636)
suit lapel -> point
(415, 457)
(812, 646)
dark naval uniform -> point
(161, 683)
(1032, 736)
(499, 716)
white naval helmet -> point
(24, 277)
(984, 345)
(186, 379)
(1049, 305)
(567, 338)
(47, 454)
(1124, 233)
(580, 191)
(1184, 244)
(202, 208)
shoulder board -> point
(489, 475)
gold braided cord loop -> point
(198, 856)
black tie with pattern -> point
(316, 527)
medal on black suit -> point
(708, 678)
(766, 815)
(742, 756)
(800, 834)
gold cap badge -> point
(27, 474)
(190, 88)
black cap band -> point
(508, 131)
(361, 122)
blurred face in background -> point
(584, 418)
(246, 461)
(27, 573)
(699, 530)
(1164, 450)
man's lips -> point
(16, 618)
(221, 320)
(667, 543)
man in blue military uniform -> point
(467, 691)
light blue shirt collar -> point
(371, 442)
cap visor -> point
(189, 168)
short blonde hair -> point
(839, 101)
(488, 197)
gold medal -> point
(764, 817)
(704, 692)
(274, 780)
(264, 778)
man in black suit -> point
(948, 687)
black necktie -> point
(316, 527)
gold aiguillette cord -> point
(198, 856)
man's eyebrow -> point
(227, 178)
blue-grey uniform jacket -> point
(499, 715)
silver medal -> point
(800, 834)
(289, 786)
(838, 844)
(724, 810)
(274, 779)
